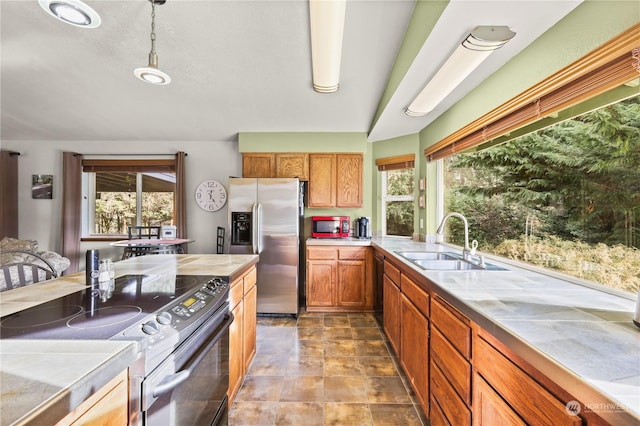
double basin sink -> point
(446, 261)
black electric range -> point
(130, 305)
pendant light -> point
(151, 73)
(72, 12)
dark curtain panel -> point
(71, 208)
(9, 194)
(181, 194)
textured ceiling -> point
(237, 66)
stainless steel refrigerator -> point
(264, 219)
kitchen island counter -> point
(580, 336)
(43, 380)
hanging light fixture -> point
(73, 12)
(151, 73)
(473, 50)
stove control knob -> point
(164, 318)
(150, 327)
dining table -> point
(144, 246)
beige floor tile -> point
(336, 321)
(386, 389)
(311, 321)
(347, 414)
(269, 365)
(300, 413)
(394, 415)
(253, 413)
(337, 333)
(345, 389)
(341, 366)
(302, 389)
(304, 365)
(377, 366)
(369, 333)
(362, 321)
(371, 348)
(260, 388)
(310, 333)
(339, 348)
(308, 347)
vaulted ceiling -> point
(237, 66)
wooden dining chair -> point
(141, 232)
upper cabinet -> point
(335, 179)
(259, 164)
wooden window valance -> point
(133, 166)
(609, 66)
(396, 163)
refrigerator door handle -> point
(254, 228)
(259, 228)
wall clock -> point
(211, 195)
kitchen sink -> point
(445, 261)
(428, 255)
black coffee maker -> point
(362, 229)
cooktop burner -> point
(100, 312)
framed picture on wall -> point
(421, 201)
(422, 183)
(42, 187)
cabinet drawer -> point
(352, 253)
(455, 368)
(418, 296)
(250, 280)
(530, 400)
(321, 253)
(452, 406)
(392, 272)
(236, 293)
(452, 324)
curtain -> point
(9, 194)
(71, 208)
(180, 197)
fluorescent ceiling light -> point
(73, 12)
(327, 28)
(467, 57)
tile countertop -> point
(580, 337)
(43, 380)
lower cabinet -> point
(242, 333)
(339, 278)
(109, 406)
(391, 312)
(414, 344)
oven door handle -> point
(174, 380)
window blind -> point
(396, 163)
(609, 66)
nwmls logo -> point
(573, 408)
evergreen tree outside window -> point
(398, 202)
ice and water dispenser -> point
(241, 228)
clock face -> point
(211, 195)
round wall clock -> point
(211, 195)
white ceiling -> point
(237, 66)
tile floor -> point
(324, 369)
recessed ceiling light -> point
(73, 12)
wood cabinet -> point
(339, 278)
(348, 180)
(450, 351)
(292, 164)
(275, 165)
(414, 338)
(242, 333)
(322, 180)
(506, 392)
(258, 165)
(335, 180)
(109, 406)
(391, 312)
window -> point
(397, 202)
(565, 198)
(121, 193)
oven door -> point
(190, 386)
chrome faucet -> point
(467, 252)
